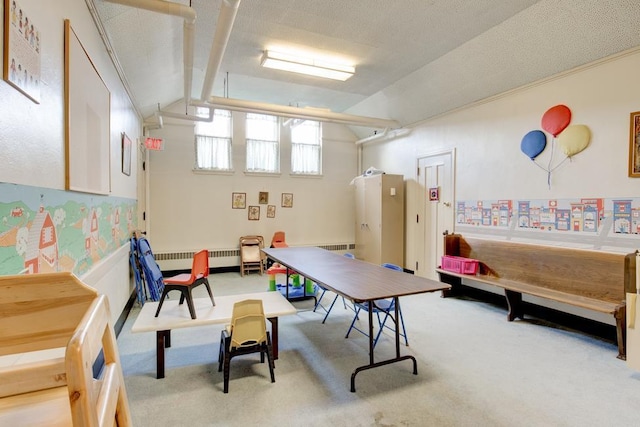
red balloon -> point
(556, 119)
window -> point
(263, 143)
(213, 141)
(306, 148)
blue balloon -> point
(533, 143)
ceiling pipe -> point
(375, 136)
(292, 122)
(298, 113)
(224, 25)
(152, 125)
(384, 135)
(191, 117)
(189, 16)
(227, 17)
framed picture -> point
(634, 145)
(21, 50)
(263, 199)
(287, 200)
(271, 211)
(126, 154)
(238, 200)
(254, 213)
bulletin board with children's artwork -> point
(21, 65)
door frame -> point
(143, 187)
(421, 253)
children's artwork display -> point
(21, 50)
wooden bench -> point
(56, 313)
(591, 280)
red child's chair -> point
(277, 241)
(185, 282)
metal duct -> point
(299, 113)
(226, 19)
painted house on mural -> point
(622, 216)
(91, 241)
(42, 248)
(115, 224)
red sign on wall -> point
(154, 144)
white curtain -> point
(305, 158)
(262, 156)
(213, 153)
(306, 148)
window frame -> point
(319, 144)
(199, 136)
(262, 144)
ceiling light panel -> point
(306, 65)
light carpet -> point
(474, 369)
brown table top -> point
(354, 279)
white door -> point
(436, 210)
(142, 187)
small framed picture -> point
(287, 200)
(126, 154)
(434, 194)
(271, 211)
(634, 146)
(238, 200)
(254, 213)
(263, 198)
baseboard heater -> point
(223, 257)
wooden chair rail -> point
(589, 280)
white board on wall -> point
(87, 120)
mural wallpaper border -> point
(47, 230)
(611, 224)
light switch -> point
(393, 191)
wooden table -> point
(359, 281)
(175, 316)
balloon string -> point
(553, 140)
(558, 165)
(548, 173)
(535, 163)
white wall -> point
(32, 135)
(487, 136)
(191, 211)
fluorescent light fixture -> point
(310, 66)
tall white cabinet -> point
(380, 219)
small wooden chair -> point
(251, 256)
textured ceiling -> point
(414, 58)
